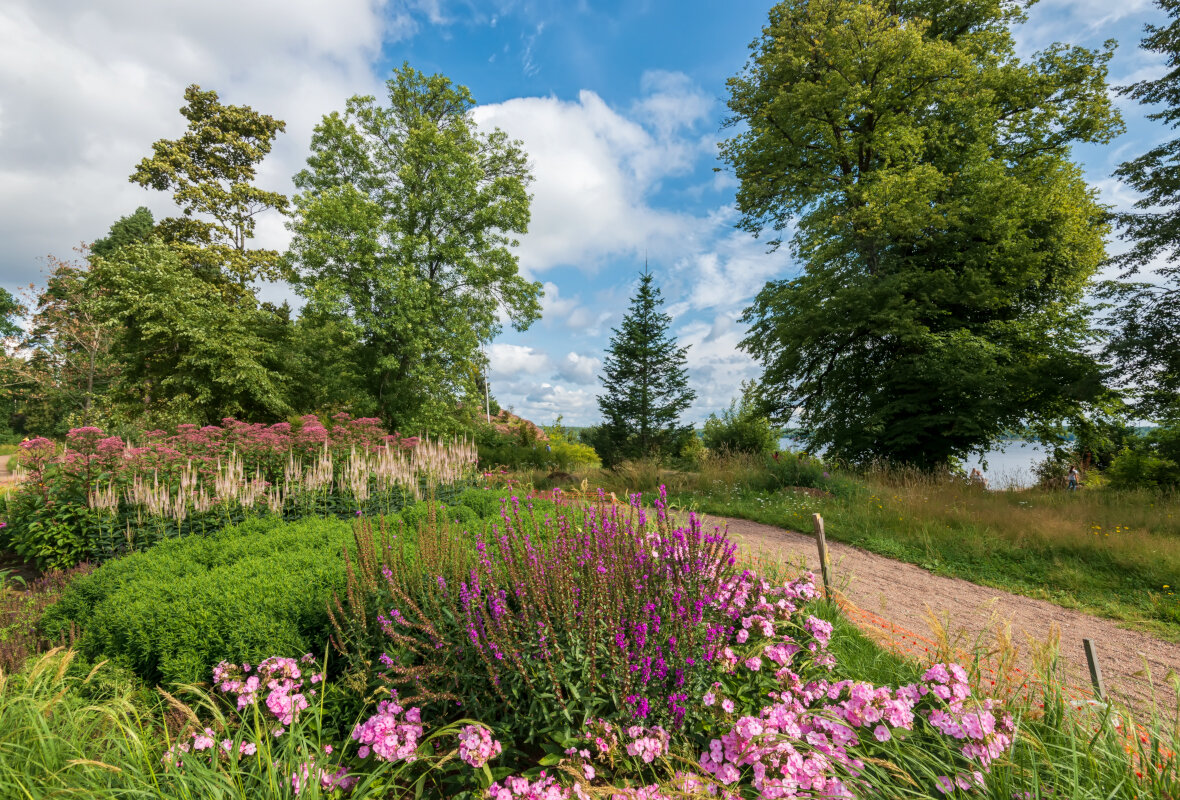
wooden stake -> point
(825, 569)
(1095, 670)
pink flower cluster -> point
(647, 744)
(476, 746)
(201, 741)
(545, 787)
(278, 677)
(807, 741)
(767, 627)
(985, 735)
(329, 780)
(392, 733)
(90, 454)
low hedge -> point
(241, 594)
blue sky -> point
(619, 105)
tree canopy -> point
(406, 220)
(185, 353)
(210, 171)
(945, 237)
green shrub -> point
(740, 428)
(416, 515)
(484, 502)
(1149, 462)
(246, 592)
(797, 469)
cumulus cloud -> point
(86, 88)
(579, 369)
(716, 365)
(596, 167)
(549, 400)
(512, 360)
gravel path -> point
(901, 594)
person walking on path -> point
(1072, 478)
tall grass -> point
(64, 733)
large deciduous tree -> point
(1145, 346)
(922, 172)
(210, 171)
(404, 232)
(645, 382)
(186, 355)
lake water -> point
(1007, 466)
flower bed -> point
(708, 680)
(99, 496)
(619, 650)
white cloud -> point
(595, 168)
(672, 102)
(86, 88)
(511, 360)
(579, 369)
(716, 365)
(549, 400)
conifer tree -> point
(1145, 320)
(645, 375)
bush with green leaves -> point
(741, 428)
(174, 611)
(417, 515)
(1149, 462)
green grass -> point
(1115, 554)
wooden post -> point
(825, 569)
(1095, 670)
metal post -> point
(825, 569)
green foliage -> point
(741, 428)
(404, 236)
(210, 171)
(10, 310)
(242, 594)
(48, 526)
(136, 227)
(484, 502)
(1148, 462)
(184, 350)
(70, 365)
(93, 734)
(21, 606)
(947, 239)
(464, 517)
(645, 377)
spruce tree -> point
(645, 375)
(1145, 315)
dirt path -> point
(901, 593)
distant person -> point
(976, 478)
(1072, 478)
